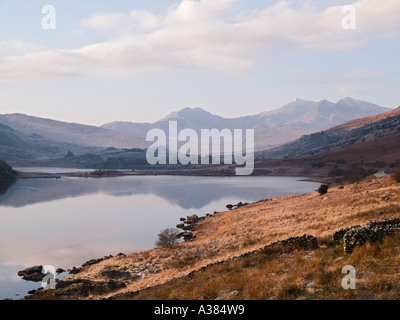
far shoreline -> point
(272, 168)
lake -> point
(68, 221)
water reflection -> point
(187, 192)
(68, 221)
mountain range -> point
(27, 137)
(73, 133)
(359, 131)
(272, 128)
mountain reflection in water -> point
(187, 192)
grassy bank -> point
(215, 264)
(299, 275)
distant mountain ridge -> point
(17, 146)
(73, 133)
(28, 137)
(272, 128)
(357, 131)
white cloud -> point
(137, 19)
(193, 12)
(18, 47)
(378, 16)
(197, 34)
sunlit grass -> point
(298, 275)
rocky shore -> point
(116, 280)
(266, 227)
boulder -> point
(32, 291)
(74, 270)
(78, 288)
(188, 236)
(192, 219)
(33, 274)
(91, 262)
(95, 261)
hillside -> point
(272, 128)
(20, 146)
(71, 133)
(26, 138)
(7, 176)
(225, 253)
(6, 172)
(363, 130)
(298, 275)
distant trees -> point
(167, 238)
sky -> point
(95, 62)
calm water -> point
(68, 221)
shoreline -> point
(126, 173)
(112, 174)
(273, 168)
(332, 172)
(27, 175)
(207, 235)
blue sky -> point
(140, 60)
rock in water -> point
(33, 274)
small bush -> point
(396, 174)
(167, 238)
(323, 189)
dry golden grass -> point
(228, 234)
(298, 275)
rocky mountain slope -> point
(272, 128)
(25, 137)
(363, 130)
(15, 145)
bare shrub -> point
(167, 238)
